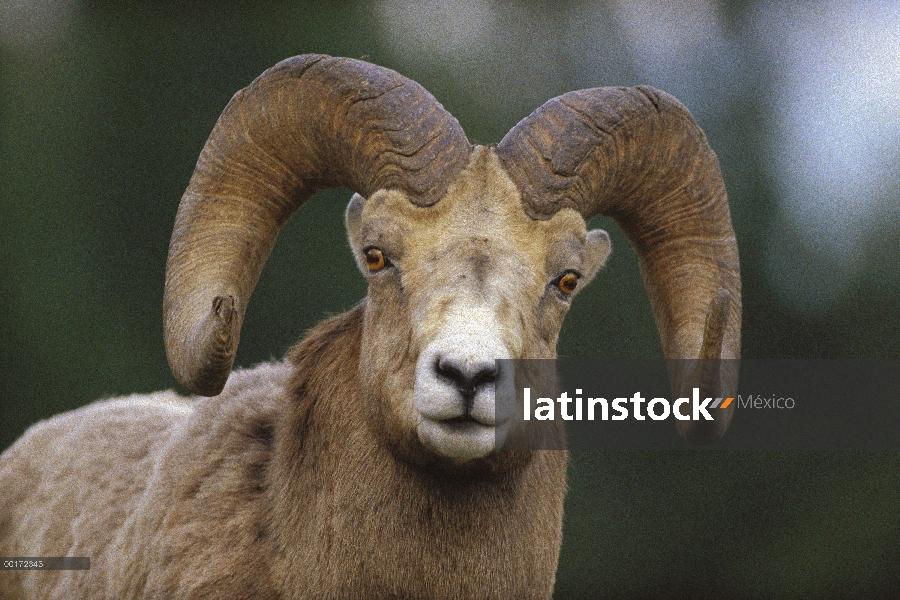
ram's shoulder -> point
(125, 427)
(93, 461)
(132, 433)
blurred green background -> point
(104, 108)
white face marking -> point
(455, 385)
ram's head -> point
(473, 253)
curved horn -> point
(637, 155)
(309, 123)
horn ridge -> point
(637, 155)
(309, 123)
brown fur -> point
(278, 488)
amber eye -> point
(567, 282)
(375, 259)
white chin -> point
(457, 440)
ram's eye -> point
(567, 282)
(375, 259)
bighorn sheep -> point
(364, 465)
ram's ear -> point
(597, 249)
(353, 220)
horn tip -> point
(716, 324)
(203, 362)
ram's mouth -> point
(462, 419)
(462, 424)
(460, 438)
(458, 426)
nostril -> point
(467, 380)
(450, 369)
(487, 374)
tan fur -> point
(274, 489)
(305, 479)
